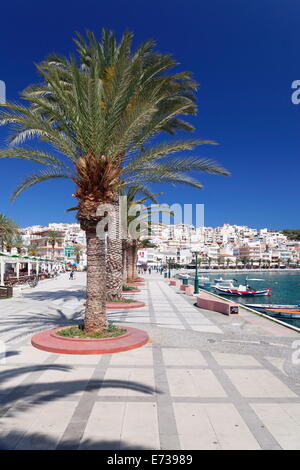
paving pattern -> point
(205, 381)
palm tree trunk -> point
(129, 259)
(114, 278)
(134, 259)
(95, 313)
(124, 260)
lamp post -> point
(196, 282)
(169, 269)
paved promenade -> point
(205, 381)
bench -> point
(6, 292)
(207, 302)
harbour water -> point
(285, 287)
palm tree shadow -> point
(16, 440)
(16, 400)
(63, 294)
(37, 322)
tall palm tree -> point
(98, 120)
(141, 217)
(114, 283)
(146, 70)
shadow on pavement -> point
(64, 295)
(38, 441)
(34, 322)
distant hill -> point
(292, 234)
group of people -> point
(144, 269)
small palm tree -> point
(98, 117)
(32, 249)
(9, 241)
(53, 238)
(18, 242)
(8, 228)
(77, 252)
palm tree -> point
(53, 238)
(18, 243)
(142, 216)
(9, 241)
(245, 260)
(99, 117)
(32, 249)
(77, 252)
(8, 228)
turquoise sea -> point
(285, 287)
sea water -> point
(285, 288)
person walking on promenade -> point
(149, 270)
(71, 275)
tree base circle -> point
(49, 341)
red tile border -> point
(135, 284)
(48, 341)
(123, 305)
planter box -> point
(189, 290)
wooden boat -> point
(291, 312)
(276, 308)
(241, 290)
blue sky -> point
(245, 55)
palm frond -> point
(35, 179)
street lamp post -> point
(169, 269)
(196, 282)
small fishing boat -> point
(241, 290)
(221, 280)
(183, 276)
(283, 315)
(200, 278)
(276, 308)
(278, 311)
(202, 281)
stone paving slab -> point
(223, 387)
